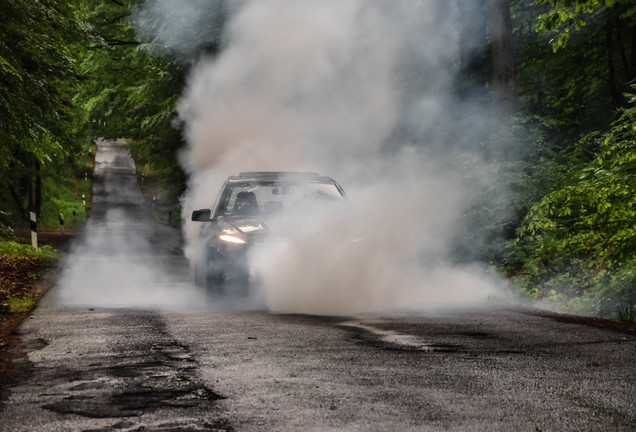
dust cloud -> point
(361, 91)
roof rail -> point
(286, 174)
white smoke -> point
(181, 28)
(359, 90)
(121, 257)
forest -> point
(559, 74)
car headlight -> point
(228, 238)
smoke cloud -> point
(182, 29)
(120, 259)
(362, 91)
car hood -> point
(248, 225)
(258, 228)
(252, 227)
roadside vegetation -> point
(560, 76)
(45, 136)
(21, 272)
(14, 249)
(161, 194)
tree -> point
(503, 57)
(579, 241)
(566, 15)
(486, 53)
(131, 88)
(38, 77)
(135, 73)
(575, 242)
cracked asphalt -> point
(88, 361)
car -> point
(245, 216)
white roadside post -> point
(34, 230)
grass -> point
(18, 304)
(626, 312)
(65, 197)
(19, 250)
(65, 187)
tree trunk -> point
(30, 194)
(503, 57)
(621, 45)
(38, 189)
(632, 56)
(18, 202)
(474, 67)
(611, 69)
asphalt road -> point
(124, 342)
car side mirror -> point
(203, 215)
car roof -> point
(281, 175)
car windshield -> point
(269, 198)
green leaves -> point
(40, 42)
(19, 250)
(565, 15)
(38, 73)
(581, 237)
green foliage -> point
(20, 304)
(62, 189)
(626, 312)
(39, 76)
(578, 243)
(565, 15)
(575, 90)
(64, 197)
(134, 84)
(132, 90)
(574, 188)
(41, 130)
(19, 250)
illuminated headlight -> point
(231, 239)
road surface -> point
(124, 342)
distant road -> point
(125, 343)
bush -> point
(18, 250)
(64, 197)
(577, 246)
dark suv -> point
(244, 216)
